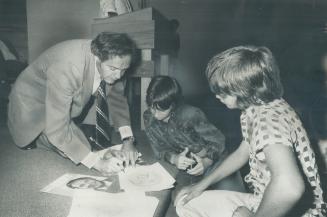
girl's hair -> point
(106, 45)
(163, 92)
(248, 72)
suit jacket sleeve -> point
(118, 106)
(63, 83)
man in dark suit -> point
(56, 88)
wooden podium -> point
(152, 34)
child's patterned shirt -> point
(187, 127)
(277, 123)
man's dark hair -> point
(248, 72)
(107, 45)
(163, 92)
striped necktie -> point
(103, 128)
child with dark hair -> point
(180, 133)
(274, 143)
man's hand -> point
(181, 161)
(129, 152)
(200, 167)
(188, 193)
(109, 165)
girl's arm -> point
(231, 164)
(286, 186)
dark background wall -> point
(290, 28)
(206, 27)
(52, 21)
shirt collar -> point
(96, 71)
(97, 78)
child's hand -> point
(181, 161)
(188, 193)
(243, 212)
(200, 167)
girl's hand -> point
(242, 211)
(188, 193)
(181, 161)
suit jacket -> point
(54, 89)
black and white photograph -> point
(163, 108)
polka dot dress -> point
(272, 124)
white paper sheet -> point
(98, 204)
(146, 178)
(59, 186)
